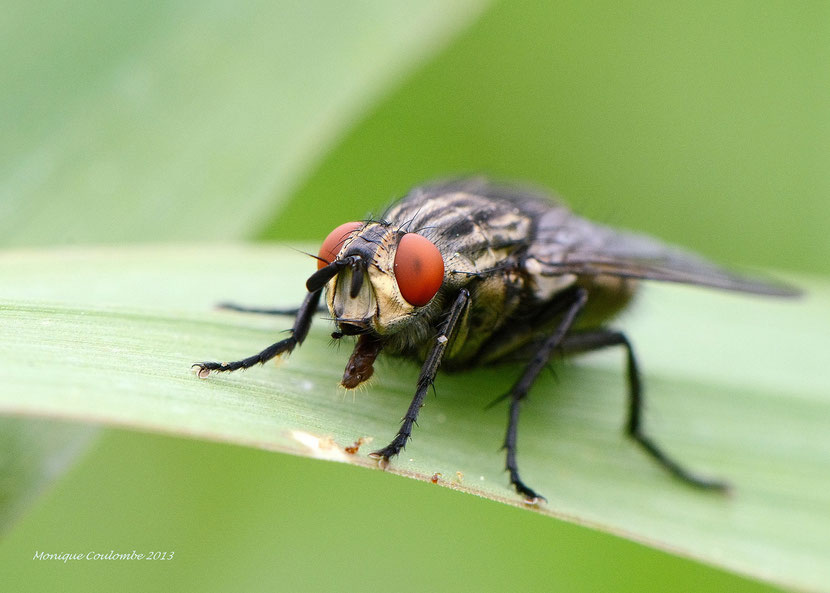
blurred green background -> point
(704, 123)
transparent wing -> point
(566, 243)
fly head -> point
(377, 277)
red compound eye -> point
(331, 246)
(419, 269)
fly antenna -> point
(357, 276)
(319, 278)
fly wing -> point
(568, 244)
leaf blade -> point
(125, 362)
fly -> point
(467, 273)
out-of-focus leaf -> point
(33, 453)
(736, 388)
(183, 120)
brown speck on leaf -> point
(353, 449)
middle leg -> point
(572, 302)
(425, 379)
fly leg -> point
(425, 379)
(572, 303)
(586, 341)
(265, 311)
(302, 323)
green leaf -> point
(736, 387)
(187, 120)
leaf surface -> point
(736, 387)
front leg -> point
(425, 379)
(302, 323)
